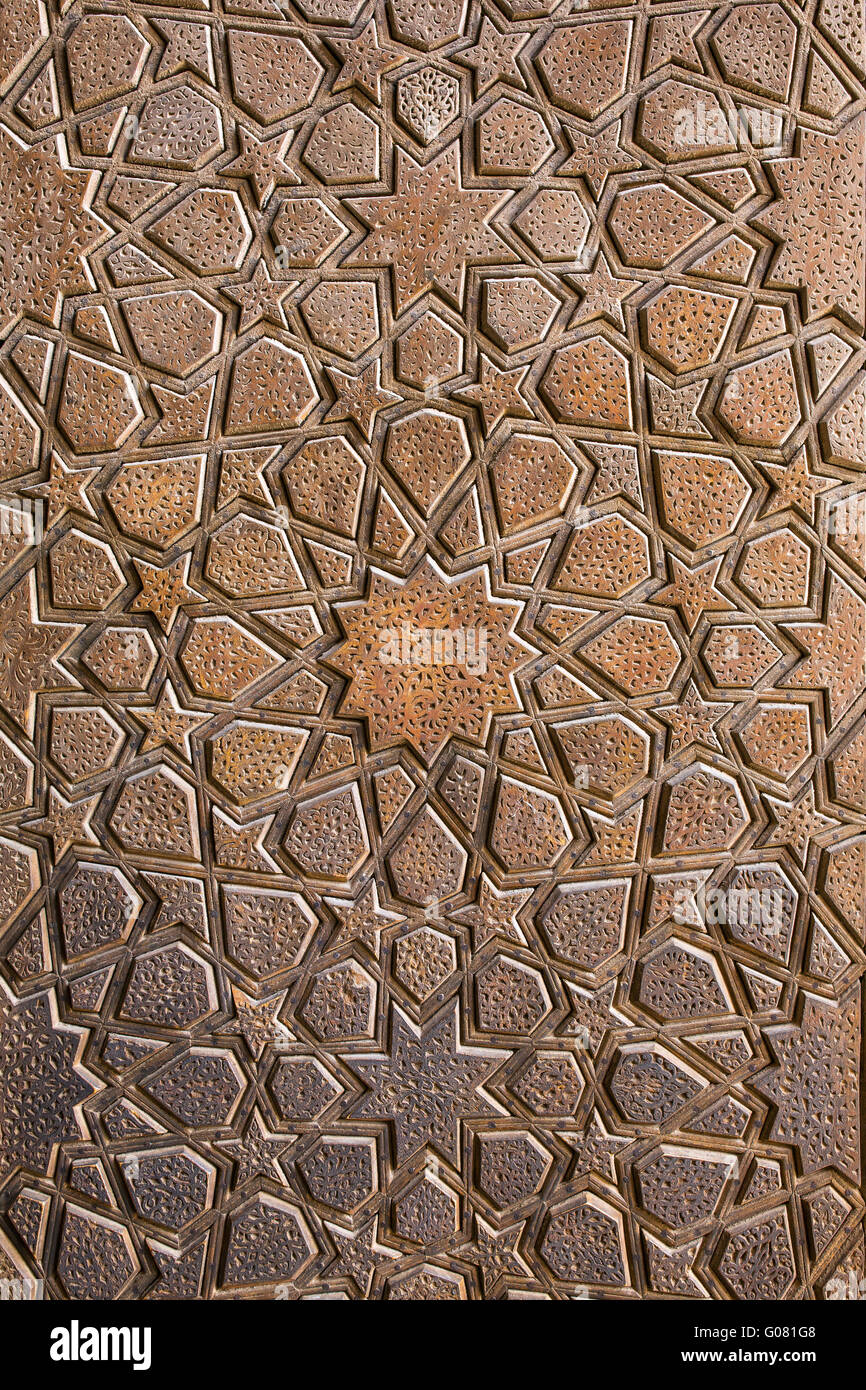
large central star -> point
(429, 228)
(426, 1086)
(429, 658)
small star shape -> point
(497, 1255)
(168, 723)
(671, 39)
(493, 57)
(242, 846)
(67, 822)
(693, 591)
(495, 914)
(617, 473)
(66, 491)
(164, 590)
(594, 1149)
(794, 486)
(603, 294)
(362, 920)
(497, 394)
(257, 1153)
(596, 157)
(358, 1256)
(592, 1014)
(360, 398)
(260, 297)
(795, 824)
(692, 721)
(365, 60)
(257, 1021)
(262, 162)
(242, 475)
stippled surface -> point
(432, 649)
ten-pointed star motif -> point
(430, 228)
(398, 689)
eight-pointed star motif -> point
(430, 228)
